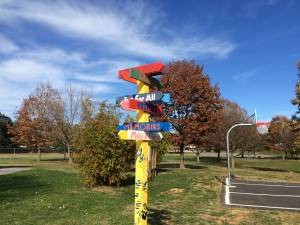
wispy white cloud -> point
(129, 31)
(245, 76)
(22, 70)
(121, 28)
(252, 8)
(7, 46)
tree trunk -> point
(182, 156)
(219, 155)
(70, 155)
(197, 155)
(283, 155)
(286, 153)
(39, 154)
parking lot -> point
(262, 195)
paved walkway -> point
(262, 195)
(12, 169)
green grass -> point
(51, 193)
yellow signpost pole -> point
(141, 167)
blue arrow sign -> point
(145, 126)
(165, 99)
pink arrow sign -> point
(126, 106)
(133, 105)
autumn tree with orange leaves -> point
(280, 136)
(195, 103)
(33, 119)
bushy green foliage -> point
(100, 154)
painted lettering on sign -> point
(149, 108)
(145, 126)
(157, 97)
(150, 68)
(139, 135)
(132, 104)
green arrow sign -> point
(147, 79)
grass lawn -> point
(51, 193)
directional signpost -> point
(142, 131)
(153, 97)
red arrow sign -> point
(125, 106)
(133, 105)
(152, 68)
(125, 75)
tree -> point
(194, 106)
(251, 141)
(102, 157)
(230, 115)
(280, 136)
(296, 118)
(33, 120)
(4, 135)
(296, 101)
(71, 111)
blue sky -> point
(250, 48)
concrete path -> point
(12, 169)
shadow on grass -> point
(54, 159)
(158, 217)
(9, 167)
(19, 187)
(269, 169)
(162, 167)
(129, 181)
(213, 160)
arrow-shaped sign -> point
(139, 135)
(132, 104)
(145, 126)
(147, 79)
(157, 97)
(124, 74)
(152, 68)
(126, 106)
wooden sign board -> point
(157, 97)
(145, 126)
(132, 104)
(152, 68)
(139, 135)
(147, 79)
